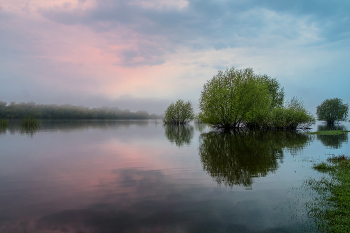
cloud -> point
(160, 49)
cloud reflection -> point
(165, 207)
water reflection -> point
(179, 134)
(234, 158)
(152, 202)
(29, 130)
(116, 176)
(200, 126)
(332, 141)
(2, 130)
(325, 127)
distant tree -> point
(3, 109)
(332, 110)
(179, 113)
(67, 111)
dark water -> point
(138, 176)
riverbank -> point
(329, 132)
(332, 212)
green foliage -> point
(331, 209)
(322, 167)
(331, 132)
(67, 111)
(332, 110)
(236, 97)
(290, 116)
(240, 98)
(179, 113)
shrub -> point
(332, 110)
(292, 116)
(179, 113)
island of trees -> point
(53, 111)
(240, 98)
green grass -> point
(330, 132)
(333, 206)
(323, 167)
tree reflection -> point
(200, 126)
(2, 130)
(179, 134)
(234, 158)
(326, 127)
(332, 141)
(29, 130)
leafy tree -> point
(179, 113)
(240, 98)
(237, 97)
(290, 116)
(332, 110)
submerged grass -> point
(4, 123)
(30, 121)
(330, 132)
(332, 210)
(323, 167)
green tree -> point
(332, 110)
(179, 113)
(238, 97)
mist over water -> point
(141, 176)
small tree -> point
(291, 116)
(179, 113)
(332, 110)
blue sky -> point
(140, 54)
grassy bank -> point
(329, 132)
(332, 210)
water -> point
(138, 176)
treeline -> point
(67, 111)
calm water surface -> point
(139, 176)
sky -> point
(144, 55)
